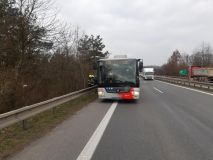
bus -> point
(118, 78)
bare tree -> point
(39, 57)
(203, 56)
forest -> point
(40, 56)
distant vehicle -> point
(198, 73)
(148, 73)
(118, 78)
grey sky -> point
(147, 29)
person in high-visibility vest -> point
(91, 81)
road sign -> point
(183, 72)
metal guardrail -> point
(23, 113)
(186, 82)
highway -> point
(166, 123)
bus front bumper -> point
(133, 94)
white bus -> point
(118, 78)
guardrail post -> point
(24, 124)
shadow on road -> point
(119, 101)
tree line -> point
(41, 57)
(202, 56)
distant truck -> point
(198, 73)
(148, 73)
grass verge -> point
(14, 138)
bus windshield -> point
(112, 72)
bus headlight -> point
(100, 93)
(136, 93)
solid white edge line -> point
(90, 147)
(158, 90)
(186, 88)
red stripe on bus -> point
(127, 95)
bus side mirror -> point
(140, 66)
(100, 67)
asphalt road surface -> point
(167, 123)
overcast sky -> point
(147, 29)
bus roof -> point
(111, 59)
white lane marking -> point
(158, 90)
(187, 88)
(89, 149)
